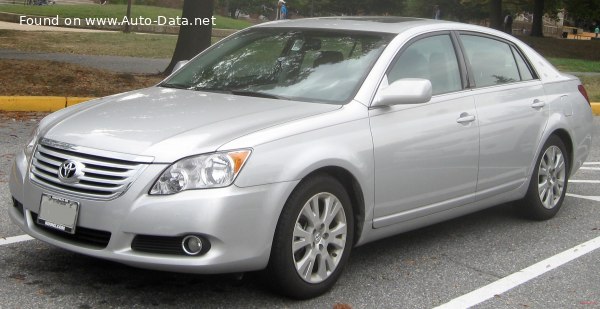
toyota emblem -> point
(70, 171)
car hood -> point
(169, 124)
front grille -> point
(90, 237)
(103, 177)
(163, 244)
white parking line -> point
(591, 198)
(14, 239)
(590, 168)
(583, 181)
(511, 281)
(591, 163)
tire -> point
(314, 263)
(549, 180)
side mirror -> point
(179, 65)
(404, 91)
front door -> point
(426, 155)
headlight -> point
(31, 142)
(214, 170)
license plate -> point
(58, 213)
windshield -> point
(304, 65)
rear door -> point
(511, 108)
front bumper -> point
(238, 222)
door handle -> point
(465, 118)
(538, 104)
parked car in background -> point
(289, 143)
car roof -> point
(383, 24)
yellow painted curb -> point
(76, 100)
(596, 108)
(37, 103)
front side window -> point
(492, 61)
(431, 58)
(296, 64)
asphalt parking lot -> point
(490, 259)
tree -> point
(496, 20)
(460, 10)
(583, 11)
(537, 27)
(127, 26)
(194, 34)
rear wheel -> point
(313, 239)
(549, 180)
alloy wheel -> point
(319, 237)
(551, 177)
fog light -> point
(192, 245)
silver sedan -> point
(287, 144)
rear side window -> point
(431, 58)
(492, 61)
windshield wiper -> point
(257, 94)
(175, 86)
(212, 89)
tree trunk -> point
(496, 20)
(196, 36)
(127, 26)
(537, 27)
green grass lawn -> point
(112, 11)
(86, 43)
(575, 65)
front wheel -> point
(548, 184)
(313, 239)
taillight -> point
(584, 93)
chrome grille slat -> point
(107, 173)
(87, 161)
(48, 160)
(103, 177)
(40, 166)
(105, 181)
(78, 186)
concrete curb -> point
(38, 103)
(51, 104)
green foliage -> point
(460, 10)
(472, 10)
(585, 10)
(318, 7)
(175, 4)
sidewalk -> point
(112, 63)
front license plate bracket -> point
(58, 213)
